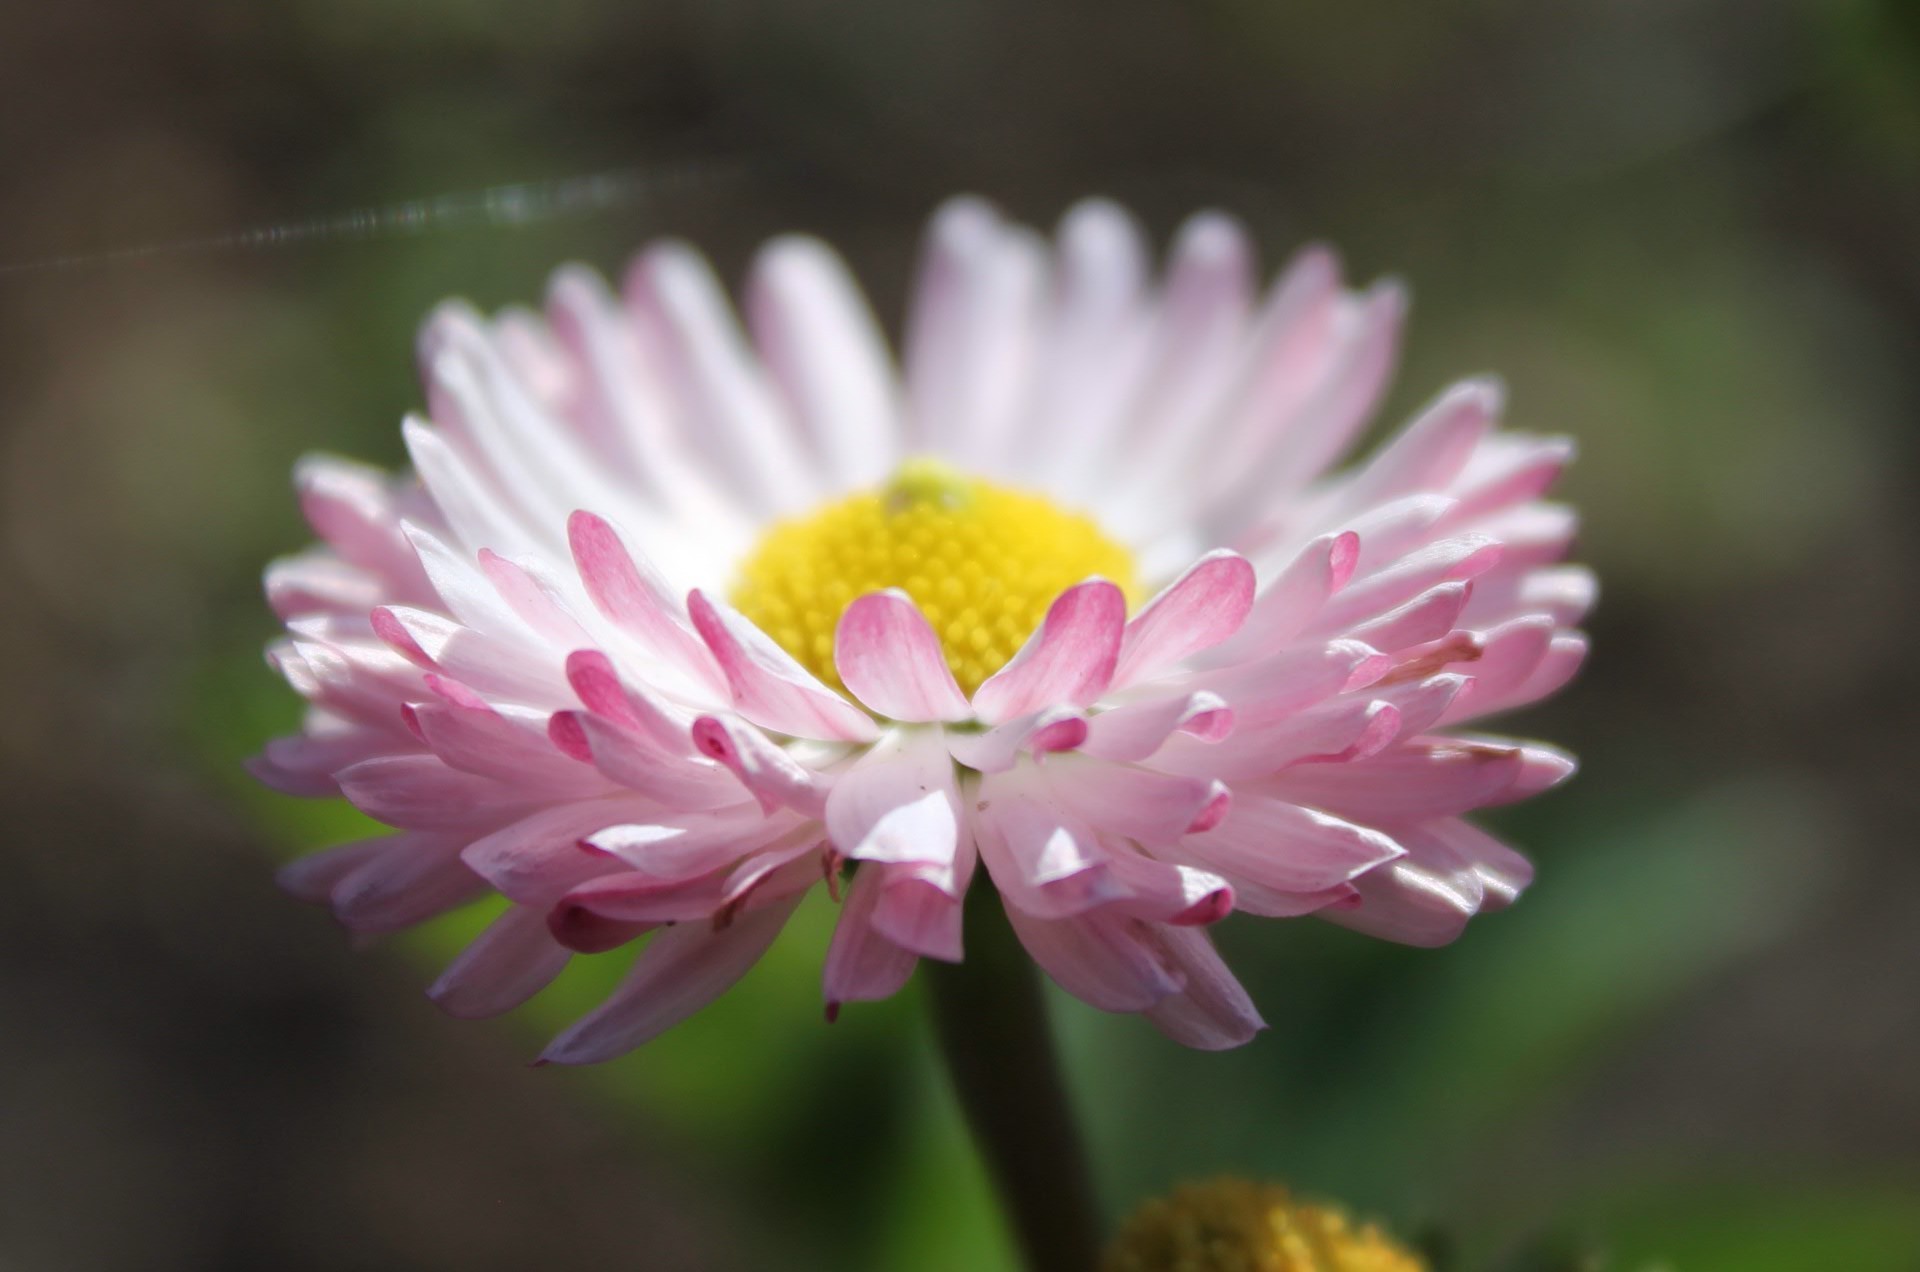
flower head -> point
(1235, 1225)
(674, 622)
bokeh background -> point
(1687, 231)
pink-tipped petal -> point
(1197, 611)
(898, 804)
(681, 970)
(1121, 799)
(538, 858)
(633, 761)
(1286, 848)
(997, 749)
(510, 962)
(769, 687)
(1103, 958)
(419, 792)
(411, 879)
(1433, 449)
(1138, 730)
(636, 599)
(1212, 1011)
(919, 910)
(862, 964)
(890, 659)
(1424, 777)
(1068, 661)
(595, 681)
(774, 777)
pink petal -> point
(1396, 529)
(681, 970)
(1197, 611)
(1206, 300)
(774, 777)
(1423, 703)
(580, 930)
(863, 965)
(1281, 684)
(1427, 617)
(996, 750)
(636, 599)
(1166, 892)
(640, 897)
(1542, 768)
(494, 667)
(317, 580)
(1453, 871)
(1120, 799)
(1289, 849)
(769, 687)
(1509, 469)
(1342, 729)
(352, 507)
(312, 878)
(601, 690)
(1292, 446)
(1447, 561)
(919, 908)
(638, 763)
(1138, 730)
(1429, 777)
(1211, 1012)
(419, 792)
(890, 659)
(533, 601)
(359, 681)
(1510, 655)
(411, 879)
(510, 962)
(1102, 958)
(1096, 335)
(1566, 592)
(1533, 534)
(483, 741)
(1365, 361)
(1044, 861)
(1290, 602)
(624, 408)
(1069, 660)
(898, 803)
(685, 845)
(538, 858)
(304, 763)
(1283, 362)
(1433, 449)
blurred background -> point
(1687, 232)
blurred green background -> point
(1687, 232)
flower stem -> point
(991, 1022)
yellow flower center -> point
(982, 561)
(1235, 1225)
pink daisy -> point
(673, 623)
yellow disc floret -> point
(982, 561)
(1235, 1225)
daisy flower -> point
(674, 621)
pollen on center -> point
(982, 561)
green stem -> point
(991, 1022)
